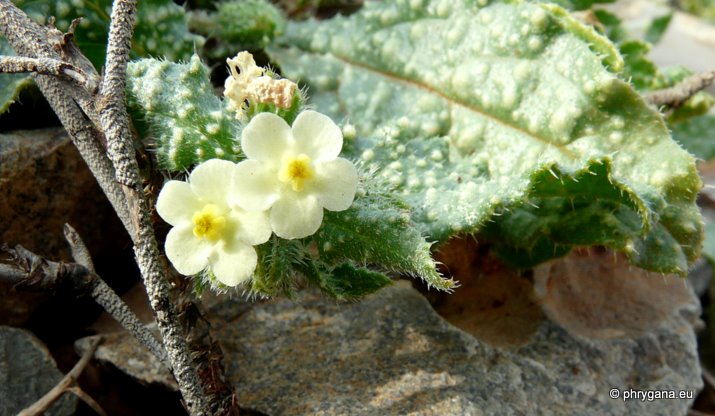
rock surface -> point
(595, 293)
(392, 354)
(494, 303)
(44, 183)
(27, 372)
(124, 352)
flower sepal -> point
(288, 114)
(285, 265)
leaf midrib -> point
(450, 100)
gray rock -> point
(44, 183)
(42, 179)
(392, 354)
(27, 372)
(121, 350)
(124, 352)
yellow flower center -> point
(296, 171)
(208, 222)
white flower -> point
(207, 231)
(294, 172)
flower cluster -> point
(248, 82)
(289, 176)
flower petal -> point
(188, 254)
(336, 184)
(235, 263)
(317, 136)
(296, 217)
(251, 228)
(266, 138)
(211, 181)
(255, 186)
(177, 203)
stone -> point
(42, 179)
(27, 372)
(494, 303)
(392, 354)
(596, 293)
(44, 183)
(124, 352)
(700, 276)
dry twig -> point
(87, 399)
(677, 95)
(33, 272)
(65, 385)
(34, 41)
(96, 119)
(48, 66)
(110, 301)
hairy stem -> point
(32, 40)
(115, 124)
(93, 119)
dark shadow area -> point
(29, 111)
(119, 394)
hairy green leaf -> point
(377, 229)
(280, 262)
(602, 46)
(611, 25)
(578, 4)
(468, 107)
(277, 263)
(638, 69)
(174, 104)
(238, 25)
(347, 282)
(657, 28)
